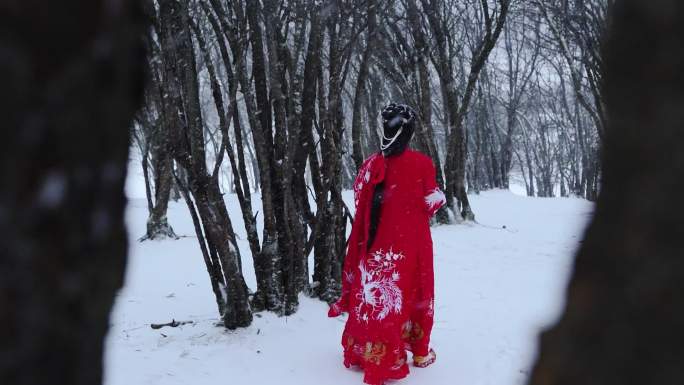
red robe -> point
(388, 289)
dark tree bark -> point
(329, 237)
(425, 107)
(238, 167)
(186, 129)
(373, 100)
(622, 323)
(306, 149)
(156, 153)
(72, 79)
(269, 275)
(361, 80)
(155, 148)
(291, 232)
(158, 226)
(266, 256)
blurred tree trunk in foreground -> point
(623, 322)
(72, 78)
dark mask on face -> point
(397, 126)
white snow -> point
(495, 289)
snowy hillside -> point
(495, 287)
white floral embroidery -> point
(435, 199)
(349, 277)
(363, 178)
(379, 294)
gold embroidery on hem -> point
(374, 352)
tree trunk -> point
(361, 81)
(156, 152)
(330, 215)
(67, 105)
(186, 130)
(457, 139)
(425, 107)
(622, 323)
(157, 224)
(268, 271)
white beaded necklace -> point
(383, 146)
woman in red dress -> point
(388, 279)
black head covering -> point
(397, 126)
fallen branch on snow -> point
(172, 324)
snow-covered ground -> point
(496, 288)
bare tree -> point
(148, 132)
(183, 111)
(457, 108)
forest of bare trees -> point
(283, 98)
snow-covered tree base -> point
(158, 230)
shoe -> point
(425, 361)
